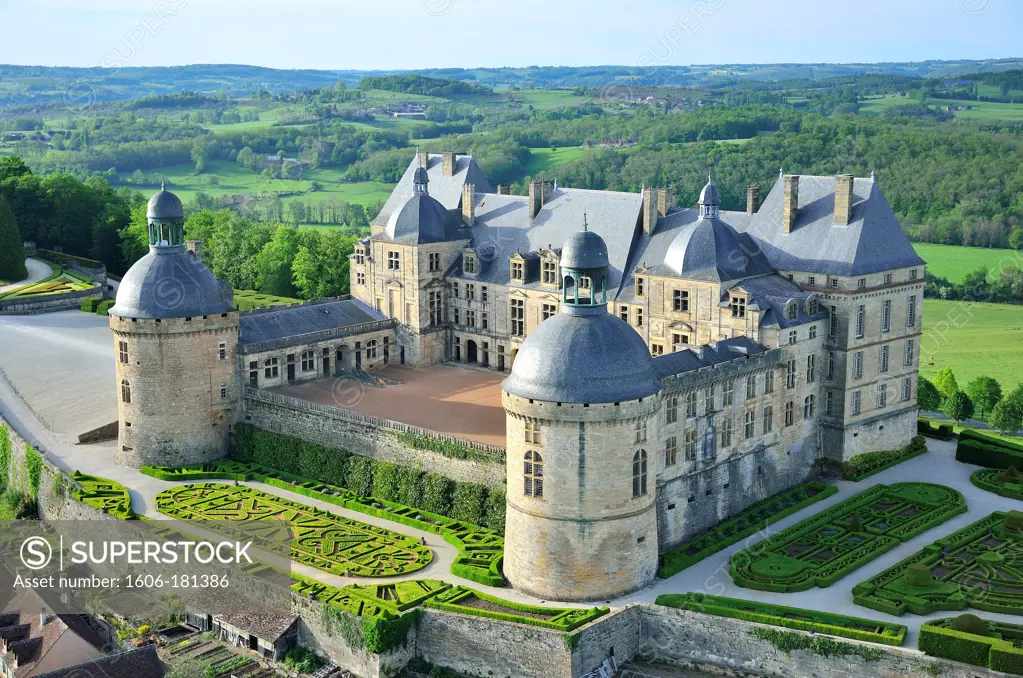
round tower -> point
(581, 404)
(175, 345)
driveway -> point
(37, 270)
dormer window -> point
(640, 286)
(549, 271)
(518, 271)
(792, 311)
(469, 264)
(360, 256)
(738, 307)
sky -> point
(410, 34)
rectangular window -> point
(469, 264)
(436, 308)
(811, 280)
(689, 445)
(793, 337)
(547, 311)
(886, 315)
(680, 301)
(623, 313)
(833, 322)
(856, 402)
(769, 381)
(751, 386)
(790, 413)
(671, 451)
(861, 283)
(485, 320)
(533, 433)
(834, 282)
(518, 318)
(790, 374)
(223, 391)
(738, 307)
(549, 274)
(517, 271)
(691, 404)
(811, 369)
(393, 261)
(909, 352)
(455, 317)
(907, 388)
(639, 287)
(222, 350)
(470, 292)
(768, 419)
(829, 402)
(749, 426)
(122, 352)
(884, 359)
(831, 365)
(671, 413)
(483, 293)
(857, 364)
(813, 332)
(911, 312)
(470, 318)
(728, 393)
(887, 278)
(360, 257)
(726, 433)
(912, 274)
(677, 339)
(656, 349)
(434, 262)
(639, 317)
(860, 318)
(641, 431)
(708, 400)
(882, 395)
(360, 278)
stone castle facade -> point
(668, 367)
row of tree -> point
(982, 396)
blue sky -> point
(391, 34)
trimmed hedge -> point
(824, 548)
(754, 518)
(925, 427)
(559, 619)
(996, 652)
(1002, 482)
(104, 306)
(974, 434)
(89, 305)
(788, 617)
(106, 495)
(987, 453)
(865, 465)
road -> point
(37, 270)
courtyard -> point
(453, 400)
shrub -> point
(972, 624)
(437, 491)
(385, 481)
(865, 465)
(104, 306)
(955, 645)
(360, 475)
(942, 432)
(89, 305)
(1014, 521)
(854, 525)
(919, 575)
(301, 660)
(496, 505)
(987, 452)
(469, 503)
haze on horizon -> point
(413, 34)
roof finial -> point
(873, 176)
(163, 185)
(709, 180)
(781, 172)
(586, 223)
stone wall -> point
(48, 303)
(337, 428)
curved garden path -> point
(37, 270)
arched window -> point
(270, 368)
(371, 349)
(125, 391)
(533, 436)
(309, 361)
(808, 405)
(639, 474)
(532, 475)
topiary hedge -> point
(994, 647)
(559, 619)
(788, 617)
(1004, 482)
(865, 465)
(983, 450)
(104, 306)
(927, 428)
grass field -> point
(981, 110)
(545, 160)
(974, 339)
(246, 300)
(954, 262)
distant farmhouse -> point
(666, 366)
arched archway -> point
(471, 352)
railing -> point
(319, 335)
(367, 419)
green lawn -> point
(981, 110)
(546, 160)
(954, 262)
(246, 300)
(974, 339)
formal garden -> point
(61, 281)
(980, 566)
(321, 539)
(464, 600)
(970, 639)
(480, 549)
(106, 495)
(839, 625)
(824, 548)
(748, 522)
(1004, 482)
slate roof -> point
(424, 220)
(447, 190)
(872, 242)
(502, 221)
(705, 356)
(165, 205)
(141, 662)
(171, 283)
(771, 293)
(279, 323)
(710, 249)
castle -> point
(668, 366)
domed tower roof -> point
(710, 249)
(165, 205)
(421, 180)
(583, 354)
(424, 220)
(169, 282)
(709, 194)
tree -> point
(985, 393)
(12, 166)
(12, 247)
(958, 406)
(945, 382)
(1016, 239)
(927, 395)
(1007, 416)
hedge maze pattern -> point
(326, 541)
(980, 566)
(824, 548)
(106, 495)
(1006, 483)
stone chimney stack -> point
(469, 204)
(664, 201)
(843, 199)
(449, 164)
(649, 210)
(537, 196)
(504, 189)
(791, 206)
(195, 247)
(423, 159)
(752, 198)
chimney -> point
(752, 198)
(449, 164)
(423, 159)
(195, 247)
(469, 204)
(843, 199)
(538, 193)
(504, 189)
(664, 201)
(649, 211)
(791, 208)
